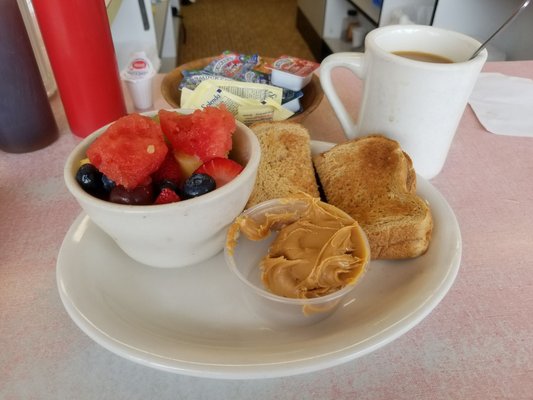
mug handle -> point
(352, 61)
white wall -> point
(477, 18)
(418, 11)
(480, 18)
(129, 35)
(315, 11)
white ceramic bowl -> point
(244, 262)
(176, 234)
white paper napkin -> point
(504, 104)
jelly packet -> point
(295, 66)
(254, 76)
(292, 73)
(230, 64)
(193, 78)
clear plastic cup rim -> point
(230, 260)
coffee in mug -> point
(418, 103)
(425, 57)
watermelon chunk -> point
(204, 133)
(129, 151)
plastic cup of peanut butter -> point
(244, 254)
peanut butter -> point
(319, 249)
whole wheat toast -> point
(373, 180)
(286, 166)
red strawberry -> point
(222, 170)
(166, 196)
(168, 171)
(204, 133)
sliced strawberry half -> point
(167, 196)
(222, 170)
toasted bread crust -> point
(373, 180)
(286, 167)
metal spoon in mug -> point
(511, 18)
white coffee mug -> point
(417, 103)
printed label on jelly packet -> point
(231, 64)
(295, 66)
(190, 81)
(254, 77)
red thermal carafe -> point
(78, 40)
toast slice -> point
(286, 166)
(373, 180)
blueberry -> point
(197, 185)
(90, 179)
(107, 183)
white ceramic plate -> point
(193, 321)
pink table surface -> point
(477, 344)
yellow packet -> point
(248, 90)
(207, 94)
(251, 114)
(186, 94)
(280, 113)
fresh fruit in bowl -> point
(128, 179)
(140, 161)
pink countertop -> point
(477, 343)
